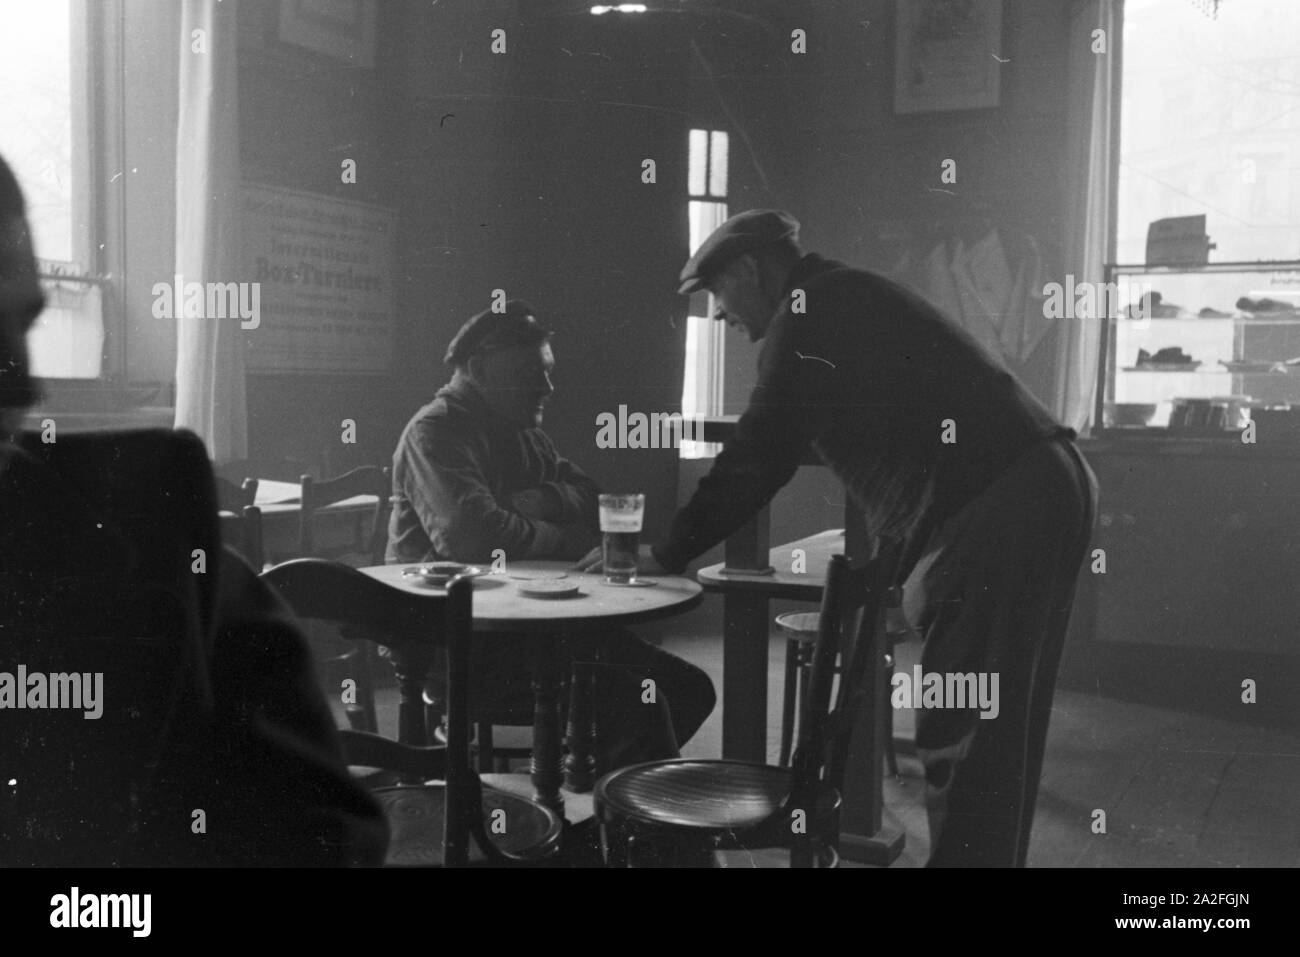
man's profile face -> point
(21, 301)
(739, 299)
(516, 382)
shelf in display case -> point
(1229, 351)
(1170, 367)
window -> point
(46, 136)
(85, 85)
(705, 339)
(1210, 123)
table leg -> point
(580, 765)
(411, 665)
(744, 677)
(548, 761)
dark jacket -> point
(868, 376)
(111, 562)
(457, 464)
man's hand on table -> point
(647, 564)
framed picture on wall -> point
(343, 29)
(947, 55)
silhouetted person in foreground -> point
(213, 745)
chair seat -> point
(415, 818)
(708, 795)
(799, 625)
(802, 625)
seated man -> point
(206, 742)
(475, 478)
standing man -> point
(944, 452)
(476, 479)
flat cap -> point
(489, 331)
(742, 233)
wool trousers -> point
(991, 593)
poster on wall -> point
(947, 55)
(324, 267)
(343, 29)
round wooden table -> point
(597, 608)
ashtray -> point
(439, 573)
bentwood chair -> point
(336, 653)
(800, 629)
(494, 752)
(333, 653)
(647, 812)
(431, 823)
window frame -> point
(711, 371)
(98, 91)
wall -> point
(525, 173)
(871, 187)
(301, 114)
(865, 183)
(518, 171)
(522, 171)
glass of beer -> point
(620, 523)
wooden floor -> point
(1177, 789)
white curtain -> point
(210, 396)
(1091, 182)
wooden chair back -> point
(330, 591)
(850, 626)
(365, 480)
(232, 497)
(247, 526)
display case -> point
(1199, 350)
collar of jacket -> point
(474, 403)
(811, 265)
